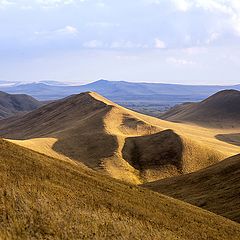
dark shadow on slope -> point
(157, 151)
(77, 123)
(88, 148)
(233, 138)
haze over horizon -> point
(176, 41)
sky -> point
(80, 41)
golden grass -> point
(103, 135)
(220, 110)
(216, 188)
(46, 198)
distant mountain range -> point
(151, 98)
(117, 90)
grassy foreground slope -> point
(216, 188)
(46, 198)
(105, 136)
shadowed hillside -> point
(46, 198)
(219, 110)
(106, 136)
(232, 138)
(216, 188)
(168, 153)
(11, 105)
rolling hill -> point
(216, 188)
(15, 104)
(109, 138)
(220, 110)
(46, 198)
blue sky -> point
(175, 41)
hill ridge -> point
(219, 110)
(15, 104)
(105, 136)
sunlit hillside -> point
(124, 144)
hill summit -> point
(15, 104)
(107, 137)
(220, 110)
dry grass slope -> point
(216, 188)
(165, 154)
(220, 110)
(107, 137)
(46, 198)
(16, 104)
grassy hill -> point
(216, 188)
(47, 198)
(15, 104)
(107, 137)
(220, 110)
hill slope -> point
(46, 198)
(216, 188)
(220, 110)
(107, 137)
(16, 104)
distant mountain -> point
(150, 98)
(4, 83)
(119, 90)
(222, 109)
(216, 188)
(54, 83)
(12, 104)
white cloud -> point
(159, 44)
(100, 4)
(102, 24)
(179, 61)
(26, 4)
(114, 45)
(182, 5)
(213, 37)
(127, 57)
(66, 31)
(127, 45)
(194, 50)
(5, 3)
(152, 2)
(228, 10)
(93, 44)
(57, 3)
